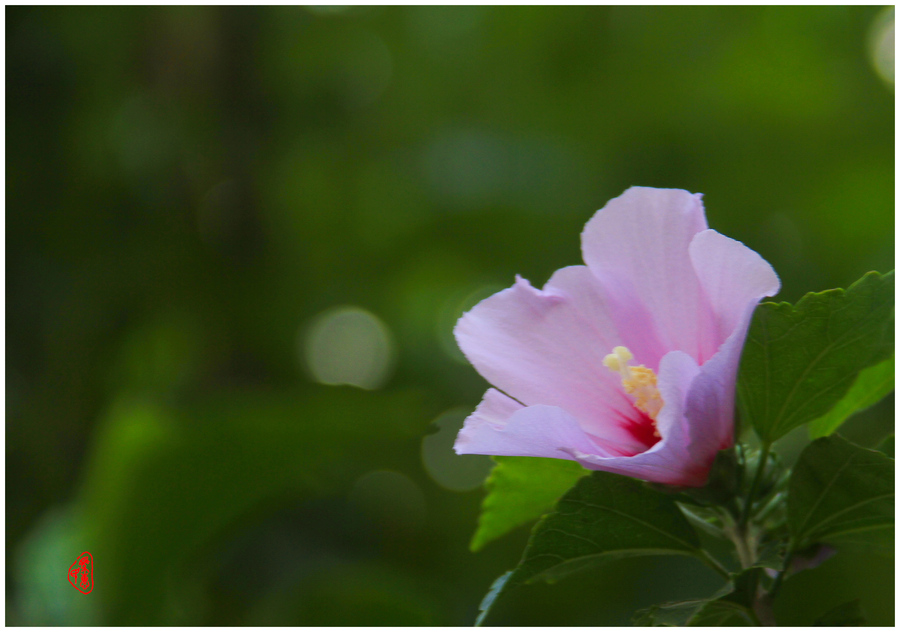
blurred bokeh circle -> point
(349, 345)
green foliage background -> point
(188, 187)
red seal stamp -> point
(81, 573)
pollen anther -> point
(638, 381)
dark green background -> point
(188, 187)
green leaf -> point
(521, 489)
(492, 594)
(871, 385)
(734, 607)
(848, 614)
(771, 555)
(605, 516)
(673, 614)
(887, 446)
(799, 361)
(722, 613)
(841, 493)
(730, 606)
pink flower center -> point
(639, 383)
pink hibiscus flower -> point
(627, 364)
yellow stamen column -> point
(638, 381)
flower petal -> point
(493, 412)
(533, 431)
(547, 347)
(613, 323)
(734, 278)
(732, 275)
(637, 245)
(709, 405)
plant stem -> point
(780, 577)
(746, 549)
(744, 541)
(763, 604)
(748, 505)
(762, 610)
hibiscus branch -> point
(743, 538)
(746, 548)
(748, 505)
(780, 577)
